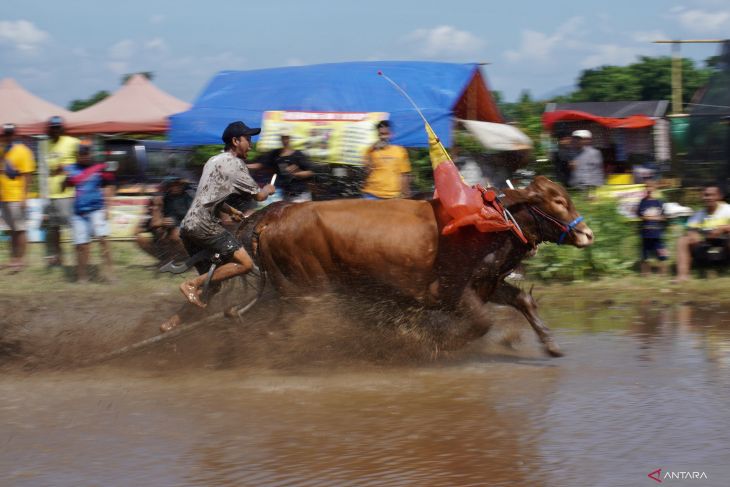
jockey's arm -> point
(265, 192)
(235, 214)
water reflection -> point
(641, 387)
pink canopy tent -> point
(138, 106)
(28, 112)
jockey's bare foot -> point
(170, 323)
(192, 294)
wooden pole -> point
(676, 79)
(677, 68)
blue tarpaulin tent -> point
(441, 90)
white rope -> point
(404, 94)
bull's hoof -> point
(553, 349)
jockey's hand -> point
(236, 215)
(270, 189)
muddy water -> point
(639, 389)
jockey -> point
(224, 176)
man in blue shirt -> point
(93, 190)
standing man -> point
(562, 157)
(225, 176)
(388, 167)
(16, 169)
(91, 206)
(62, 151)
(292, 168)
(587, 166)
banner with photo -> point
(330, 137)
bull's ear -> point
(538, 189)
(534, 196)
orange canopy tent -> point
(138, 106)
(28, 112)
(631, 122)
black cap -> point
(238, 129)
(55, 121)
(8, 129)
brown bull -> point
(396, 247)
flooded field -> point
(641, 388)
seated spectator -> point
(708, 231)
(159, 234)
(90, 209)
(651, 213)
(292, 168)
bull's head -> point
(552, 213)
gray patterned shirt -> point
(588, 168)
(223, 176)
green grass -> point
(133, 269)
(136, 272)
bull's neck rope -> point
(566, 228)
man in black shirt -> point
(292, 169)
(166, 212)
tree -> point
(77, 105)
(147, 74)
(607, 83)
(650, 78)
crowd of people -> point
(179, 220)
(79, 191)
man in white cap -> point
(587, 167)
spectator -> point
(707, 234)
(587, 166)
(469, 168)
(166, 212)
(61, 153)
(388, 167)
(16, 169)
(90, 210)
(651, 212)
(292, 170)
(561, 159)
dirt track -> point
(67, 330)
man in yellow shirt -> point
(388, 167)
(16, 169)
(62, 151)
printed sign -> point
(333, 137)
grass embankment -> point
(135, 272)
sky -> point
(65, 50)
